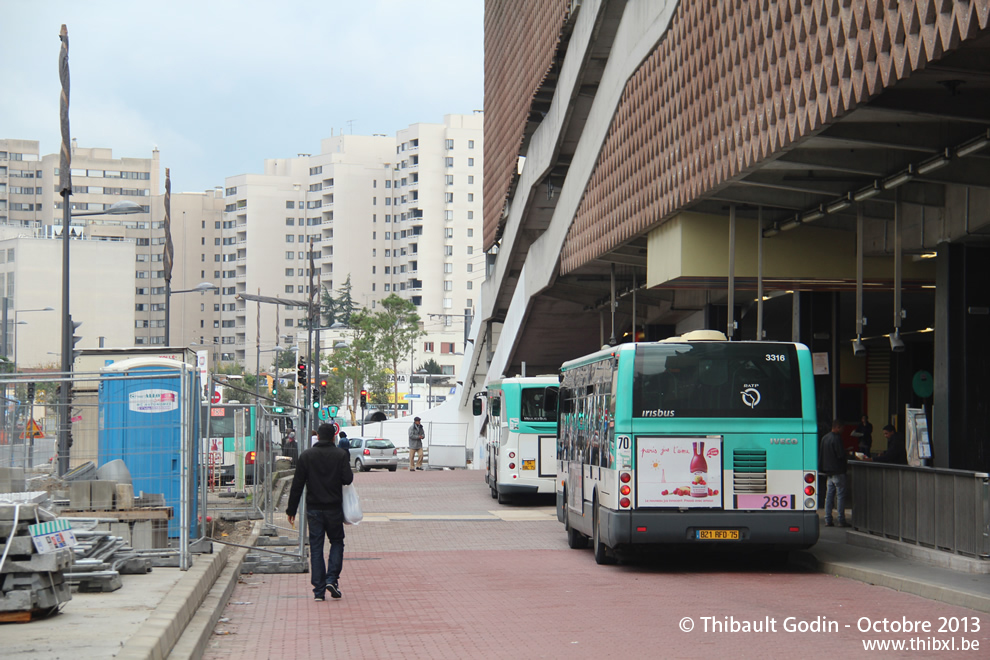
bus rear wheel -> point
(575, 539)
(600, 549)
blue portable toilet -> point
(146, 404)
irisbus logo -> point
(783, 441)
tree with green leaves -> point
(396, 328)
(353, 364)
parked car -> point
(367, 453)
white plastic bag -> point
(352, 506)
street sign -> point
(412, 396)
(32, 430)
(215, 398)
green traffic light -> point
(316, 405)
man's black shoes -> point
(334, 590)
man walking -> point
(323, 470)
(832, 461)
(416, 435)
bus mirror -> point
(550, 401)
(476, 406)
(495, 407)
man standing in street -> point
(290, 448)
(416, 435)
(323, 469)
(832, 460)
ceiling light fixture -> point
(898, 179)
(972, 146)
(935, 163)
(864, 194)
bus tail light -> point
(249, 458)
(809, 478)
(512, 466)
(512, 454)
(625, 490)
(624, 502)
(625, 477)
(809, 490)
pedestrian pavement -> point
(174, 614)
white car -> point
(367, 453)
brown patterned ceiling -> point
(735, 81)
(521, 37)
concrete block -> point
(125, 496)
(40, 563)
(79, 495)
(102, 495)
(16, 601)
(141, 535)
(26, 512)
(11, 479)
(123, 530)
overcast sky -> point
(218, 86)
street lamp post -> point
(202, 287)
(120, 208)
(16, 323)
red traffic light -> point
(323, 383)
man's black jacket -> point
(324, 470)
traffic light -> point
(323, 387)
(316, 398)
(301, 375)
(30, 391)
(74, 325)
(364, 398)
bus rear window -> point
(716, 380)
(531, 407)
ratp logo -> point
(751, 397)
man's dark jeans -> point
(321, 523)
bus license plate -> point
(529, 465)
(718, 534)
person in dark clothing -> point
(323, 470)
(864, 432)
(896, 452)
(343, 442)
(290, 448)
(832, 460)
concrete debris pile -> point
(32, 583)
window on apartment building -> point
(449, 144)
(388, 218)
(448, 285)
(448, 215)
(388, 288)
(447, 369)
(470, 180)
(388, 201)
(470, 197)
(374, 201)
(388, 183)
(470, 249)
(448, 250)
(448, 303)
(448, 268)
(289, 288)
(470, 144)
(289, 272)
(216, 257)
(290, 255)
(470, 162)
(448, 232)
(290, 205)
(290, 238)
(449, 179)
(388, 253)
(428, 347)
(470, 285)
(216, 241)
(470, 232)
(374, 252)
(448, 161)
(372, 286)
(290, 222)
(446, 347)
(448, 197)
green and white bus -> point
(689, 441)
(521, 446)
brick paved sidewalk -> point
(495, 588)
